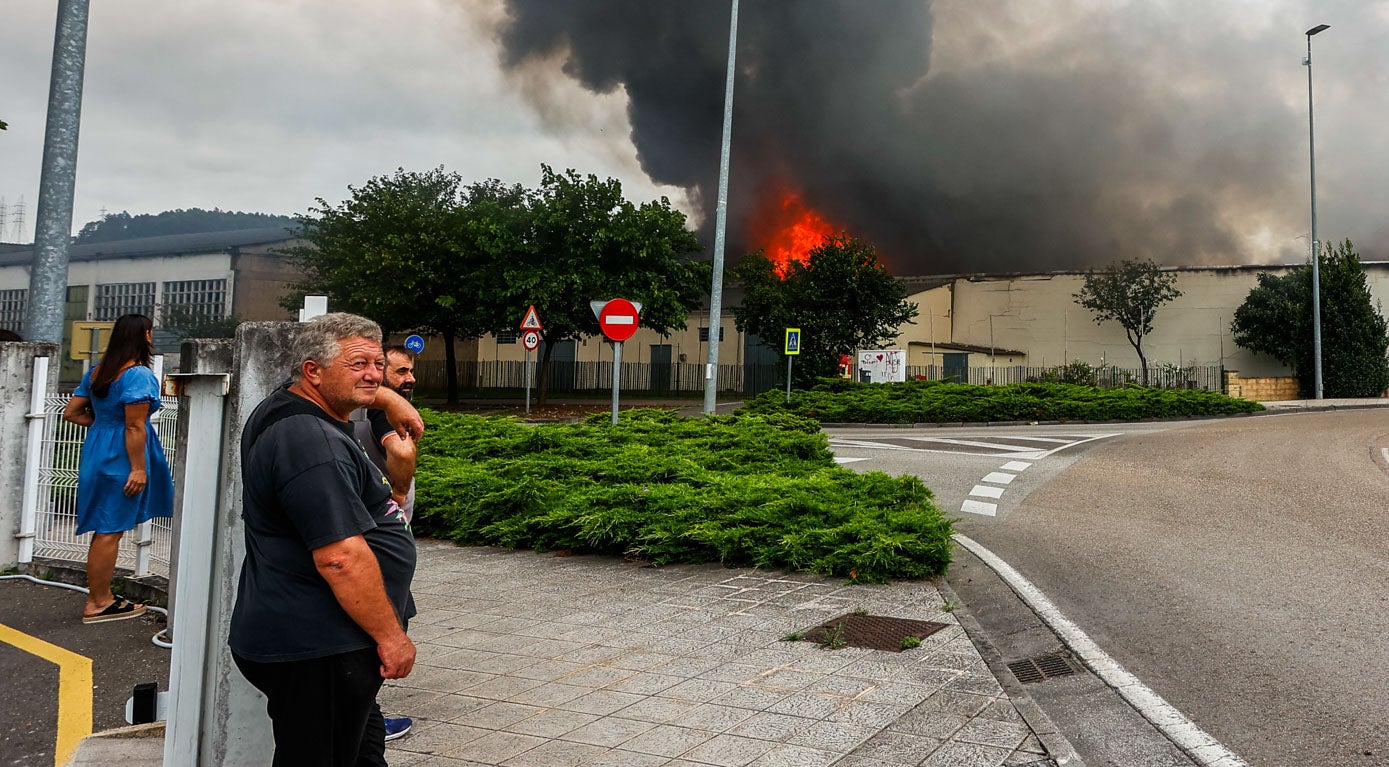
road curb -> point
(1197, 744)
(1058, 747)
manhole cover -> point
(1042, 668)
(872, 631)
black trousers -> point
(323, 710)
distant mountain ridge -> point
(123, 226)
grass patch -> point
(838, 401)
(745, 490)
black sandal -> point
(118, 610)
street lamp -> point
(1316, 257)
(711, 367)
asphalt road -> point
(122, 657)
(1237, 567)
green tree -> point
(586, 242)
(397, 251)
(840, 297)
(1276, 319)
(123, 226)
(1129, 293)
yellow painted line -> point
(74, 690)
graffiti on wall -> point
(882, 365)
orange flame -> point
(791, 229)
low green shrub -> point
(837, 401)
(744, 490)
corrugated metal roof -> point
(166, 245)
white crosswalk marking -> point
(1000, 446)
(999, 477)
(1015, 466)
(979, 507)
(985, 491)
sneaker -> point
(398, 726)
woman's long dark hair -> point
(128, 343)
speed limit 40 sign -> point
(531, 340)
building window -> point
(120, 298)
(508, 336)
(704, 335)
(12, 305)
(189, 299)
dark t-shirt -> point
(372, 434)
(307, 483)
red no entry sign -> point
(618, 319)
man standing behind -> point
(324, 594)
(394, 455)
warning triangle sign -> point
(532, 320)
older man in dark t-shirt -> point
(324, 594)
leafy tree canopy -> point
(123, 226)
(424, 251)
(1276, 319)
(840, 297)
(1129, 293)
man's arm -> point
(400, 465)
(399, 412)
(350, 568)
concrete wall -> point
(1261, 389)
(16, 389)
(235, 728)
(263, 277)
(1038, 314)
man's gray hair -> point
(319, 339)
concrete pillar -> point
(203, 355)
(235, 731)
(16, 392)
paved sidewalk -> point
(530, 660)
(534, 660)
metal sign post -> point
(617, 375)
(618, 320)
(530, 338)
(793, 347)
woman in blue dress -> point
(123, 478)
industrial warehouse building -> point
(990, 322)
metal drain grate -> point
(874, 632)
(1042, 668)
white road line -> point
(1200, 746)
(1079, 442)
(984, 491)
(1028, 453)
(839, 459)
(999, 477)
(1015, 466)
(979, 507)
(1385, 452)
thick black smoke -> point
(1028, 153)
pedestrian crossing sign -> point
(793, 341)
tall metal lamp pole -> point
(711, 367)
(1316, 246)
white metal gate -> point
(146, 550)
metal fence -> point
(567, 377)
(688, 377)
(146, 550)
(1209, 377)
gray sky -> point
(959, 135)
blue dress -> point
(102, 505)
